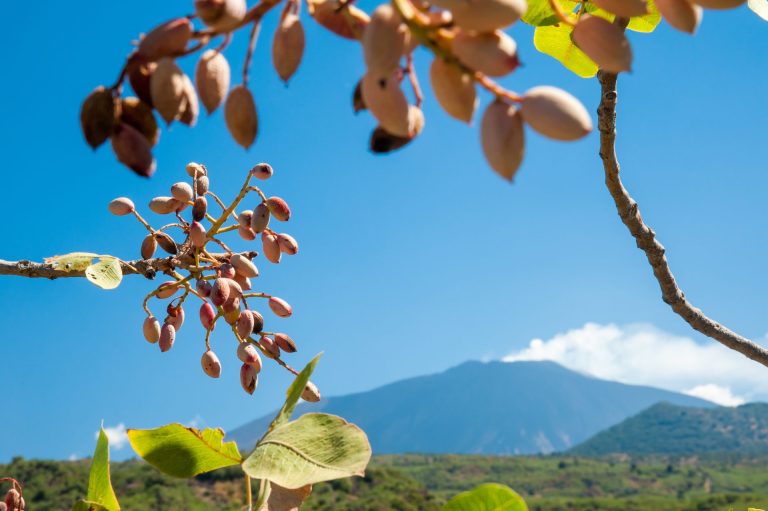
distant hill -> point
(486, 408)
(669, 429)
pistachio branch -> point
(646, 238)
(146, 267)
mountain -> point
(665, 428)
(485, 408)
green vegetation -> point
(425, 483)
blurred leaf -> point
(100, 492)
(283, 499)
(106, 274)
(85, 505)
(760, 7)
(556, 42)
(184, 452)
(487, 497)
(314, 448)
(540, 13)
(646, 23)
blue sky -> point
(409, 263)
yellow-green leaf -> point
(540, 13)
(487, 497)
(86, 505)
(106, 274)
(184, 452)
(293, 393)
(100, 490)
(646, 23)
(76, 261)
(314, 448)
(556, 42)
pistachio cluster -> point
(221, 281)
(14, 497)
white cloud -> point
(643, 354)
(117, 436)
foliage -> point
(487, 497)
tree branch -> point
(646, 238)
(146, 267)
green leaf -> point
(76, 261)
(487, 497)
(556, 42)
(85, 505)
(646, 23)
(293, 393)
(540, 13)
(316, 447)
(760, 7)
(106, 274)
(184, 452)
(100, 490)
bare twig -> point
(646, 238)
(146, 267)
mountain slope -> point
(668, 429)
(490, 408)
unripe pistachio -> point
(121, 206)
(140, 71)
(310, 393)
(203, 287)
(719, 4)
(232, 311)
(484, 15)
(279, 209)
(166, 242)
(148, 247)
(387, 103)
(270, 247)
(285, 343)
(270, 346)
(220, 291)
(211, 364)
(288, 46)
(167, 89)
(347, 21)
(493, 53)
(683, 15)
(358, 105)
(177, 319)
(13, 499)
(288, 245)
(99, 116)
(246, 233)
(262, 171)
(244, 266)
(502, 138)
(244, 218)
(383, 142)
(137, 114)
(199, 209)
(167, 289)
(384, 41)
(226, 271)
(555, 113)
(167, 40)
(164, 205)
(182, 191)
(244, 282)
(191, 107)
(260, 218)
(235, 291)
(623, 8)
(167, 337)
(3, 507)
(454, 89)
(249, 354)
(249, 378)
(207, 316)
(151, 329)
(603, 42)
(202, 185)
(133, 150)
(221, 15)
(197, 235)
(280, 307)
(212, 76)
(258, 321)
(193, 168)
(241, 116)
(244, 325)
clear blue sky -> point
(409, 263)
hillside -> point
(669, 429)
(488, 408)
